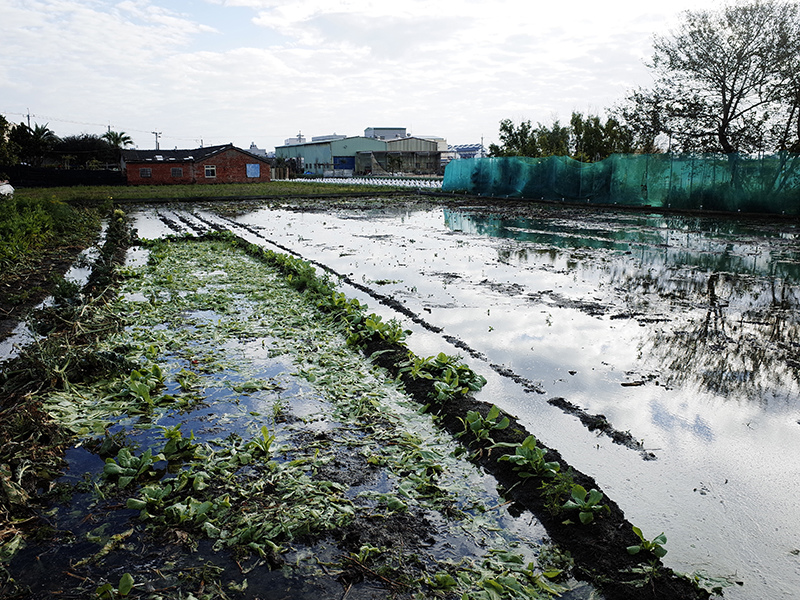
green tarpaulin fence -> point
(769, 184)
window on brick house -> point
(211, 170)
(253, 169)
(145, 172)
(177, 171)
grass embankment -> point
(133, 193)
(42, 230)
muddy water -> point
(682, 331)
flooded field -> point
(679, 331)
(239, 446)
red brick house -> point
(214, 164)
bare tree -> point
(726, 80)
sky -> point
(208, 72)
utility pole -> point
(156, 133)
(29, 118)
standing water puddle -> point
(682, 331)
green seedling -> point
(481, 428)
(588, 503)
(654, 547)
(178, 447)
(366, 553)
(264, 443)
(555, 490)
(127, 467)
(528, 460)
(108, 591)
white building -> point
(295, 140)
(385, 133)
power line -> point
(49, 118)
(197, 139)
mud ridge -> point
(600, 424)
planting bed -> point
(237, 428)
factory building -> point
(381, 150)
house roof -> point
(196, 155)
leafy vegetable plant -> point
(177, 446)
(481, 428)
(528, 460)
(373, 329)
(128, 467)
(451, 378)
(141, 384)
(108, 591)
(654, 547)
(588, 503)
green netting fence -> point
(768, 184)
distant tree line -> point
(39, 146)
(726, 80)
(587, 139)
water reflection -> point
(664, 418)
(667, 241)
(749, 352)
(717, 300)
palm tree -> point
(41, 140)
(118, 140)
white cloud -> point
(259, 70)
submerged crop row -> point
(224, 424)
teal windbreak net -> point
(769, 184)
